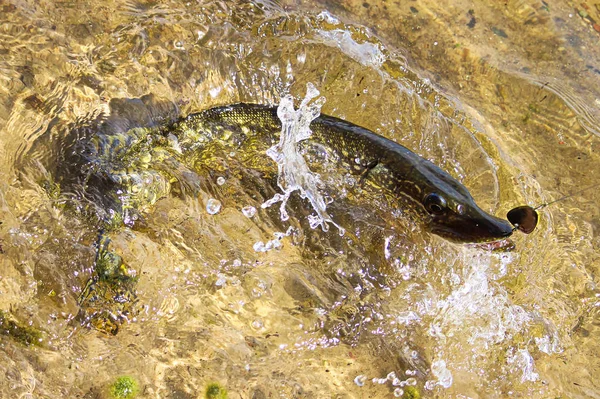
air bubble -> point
(220, 180)
(257, 324)
(360, 380)
(249, 211)
(213, 206)
(221, 280)
(259, 247)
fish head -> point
(461, 220)
(451, 212)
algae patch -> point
(125, 387)
(214, 390)
(411, 393)
(24, 334)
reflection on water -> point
(504, 97)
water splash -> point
(294, 174)
(443, 375)
(522, 363)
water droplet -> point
(360, 380)
(221, 280)
(257, 324)
(444, 376)
(220, 180)
(249, 211)
(349, 180)
(259, 246)
(214, 91)
(213, 206)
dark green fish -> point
(128, 166)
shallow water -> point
(504, 97)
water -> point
(503, 96)
(293, 171)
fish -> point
(442, 204)
(126, 162)
(113, 167)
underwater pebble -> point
(249, 211)
(360, 380)
(220, 180)
(213, 206)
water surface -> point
(504, 97)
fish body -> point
(128, 161)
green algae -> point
(411, 393)
(214, 390)
(125, 387)
(23, 334)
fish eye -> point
(435, 203)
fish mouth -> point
(487, 229)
